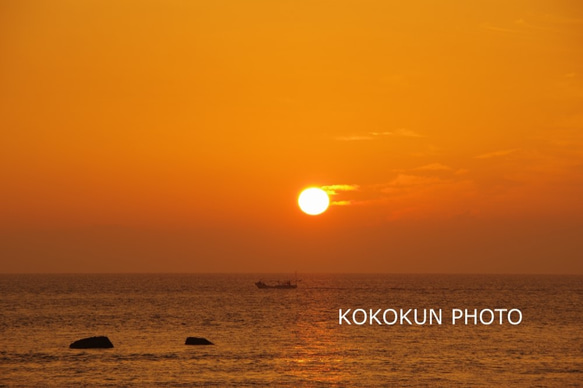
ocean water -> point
(287, 337)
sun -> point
(313, 201)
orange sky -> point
(175, 136)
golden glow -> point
(172, 136)
(313, 201)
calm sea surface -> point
(286, 337)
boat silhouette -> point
(280, 285)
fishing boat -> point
(280, 285)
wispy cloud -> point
(339, 190)
(404, 132)
(433, 167)
(399, 132)
(425, 169)
(415, 184)
(429, 150)
(489, 27)
(354, 138)
(334, 189)
(406, 180)
(536, 23)
(564, 20)
(496, 154)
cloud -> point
(354, 138)
(406, 180)
(428, 168)
(404, 132)
(518, 27)
(432, 190)
(334, 189)
(557, 19)
(430, 150)
(433, 167)
(489, 27)
(400, 132)
(496, 154)
(537, 23)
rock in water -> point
(92, 343)
(197, 341)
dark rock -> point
(197, 341)
(92, 343)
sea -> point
(290, 337)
